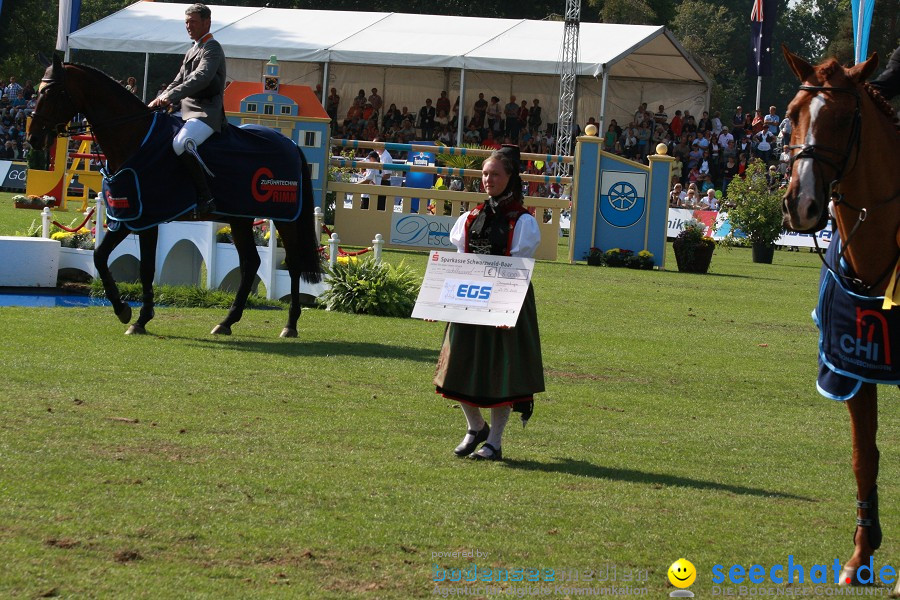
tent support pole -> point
(326, 91)
(462, 102)
(146, 71)
(602, 128)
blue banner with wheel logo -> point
(623, 197)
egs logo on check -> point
(473, 291)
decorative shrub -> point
(617, 257)
(642, 260)
(370, 288)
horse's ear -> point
(57, 64)
(800, 67)
(42, 58)
(861, 72)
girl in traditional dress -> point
(494, 367)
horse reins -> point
(814, 152)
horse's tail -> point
(308, 240)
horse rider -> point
(888, 83)
(198, 89)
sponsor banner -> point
(718, 227)
(421, 231)
(12, 174)
(478, 289)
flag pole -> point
(758, 91)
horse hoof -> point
(849, 576)
(124, 314)
(221, 330)
(136, 330)
(288, 332)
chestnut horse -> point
(120, 122)
(843, 146)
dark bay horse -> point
(120, 122)
(843, 143)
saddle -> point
(256, 174)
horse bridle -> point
(814, 152)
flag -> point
(862, 23)
(69, 15)
(762, 24)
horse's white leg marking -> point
(804, 167)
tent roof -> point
(397, 39)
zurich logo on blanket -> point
(257, 174)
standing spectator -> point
(384, 158)
(426, 120)
(772, 121)
(676, 124)
(13, 89)
(661, 117)
(534, 117)
(494, 367)
(716, 123)
(376, 101)
(704, 124)
(511, 112)
(479, 110)
(332, 105)
(643, 138)
(372, 176)
(523, 116)
(493, 115)
(443, 103)
(737, 119)
(318, 92)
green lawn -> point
(680, 420)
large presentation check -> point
(478, 289)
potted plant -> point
(693, 248)
(754, 209)
(595, 257)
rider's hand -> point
(160, 102)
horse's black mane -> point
(832, 67)
(107, 79)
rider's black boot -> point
(205, 201)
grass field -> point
(680, 420)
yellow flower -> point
(60, 235)
(346, 259)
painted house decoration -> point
(294, 110)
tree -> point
(629, 12)
(707, 31)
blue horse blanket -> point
(859, 341)
(257, 173)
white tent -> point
(410, 57)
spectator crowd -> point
(709, 152)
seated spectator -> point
(677, 196)
(707, 184)
(691, 199)
(490, 142)
(709, 201)
(472, 135)
(392, 117)
(772, 178)
(131, 86)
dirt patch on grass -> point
(162, 450)
(64, 543)
(127, 555)
(592, 376)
